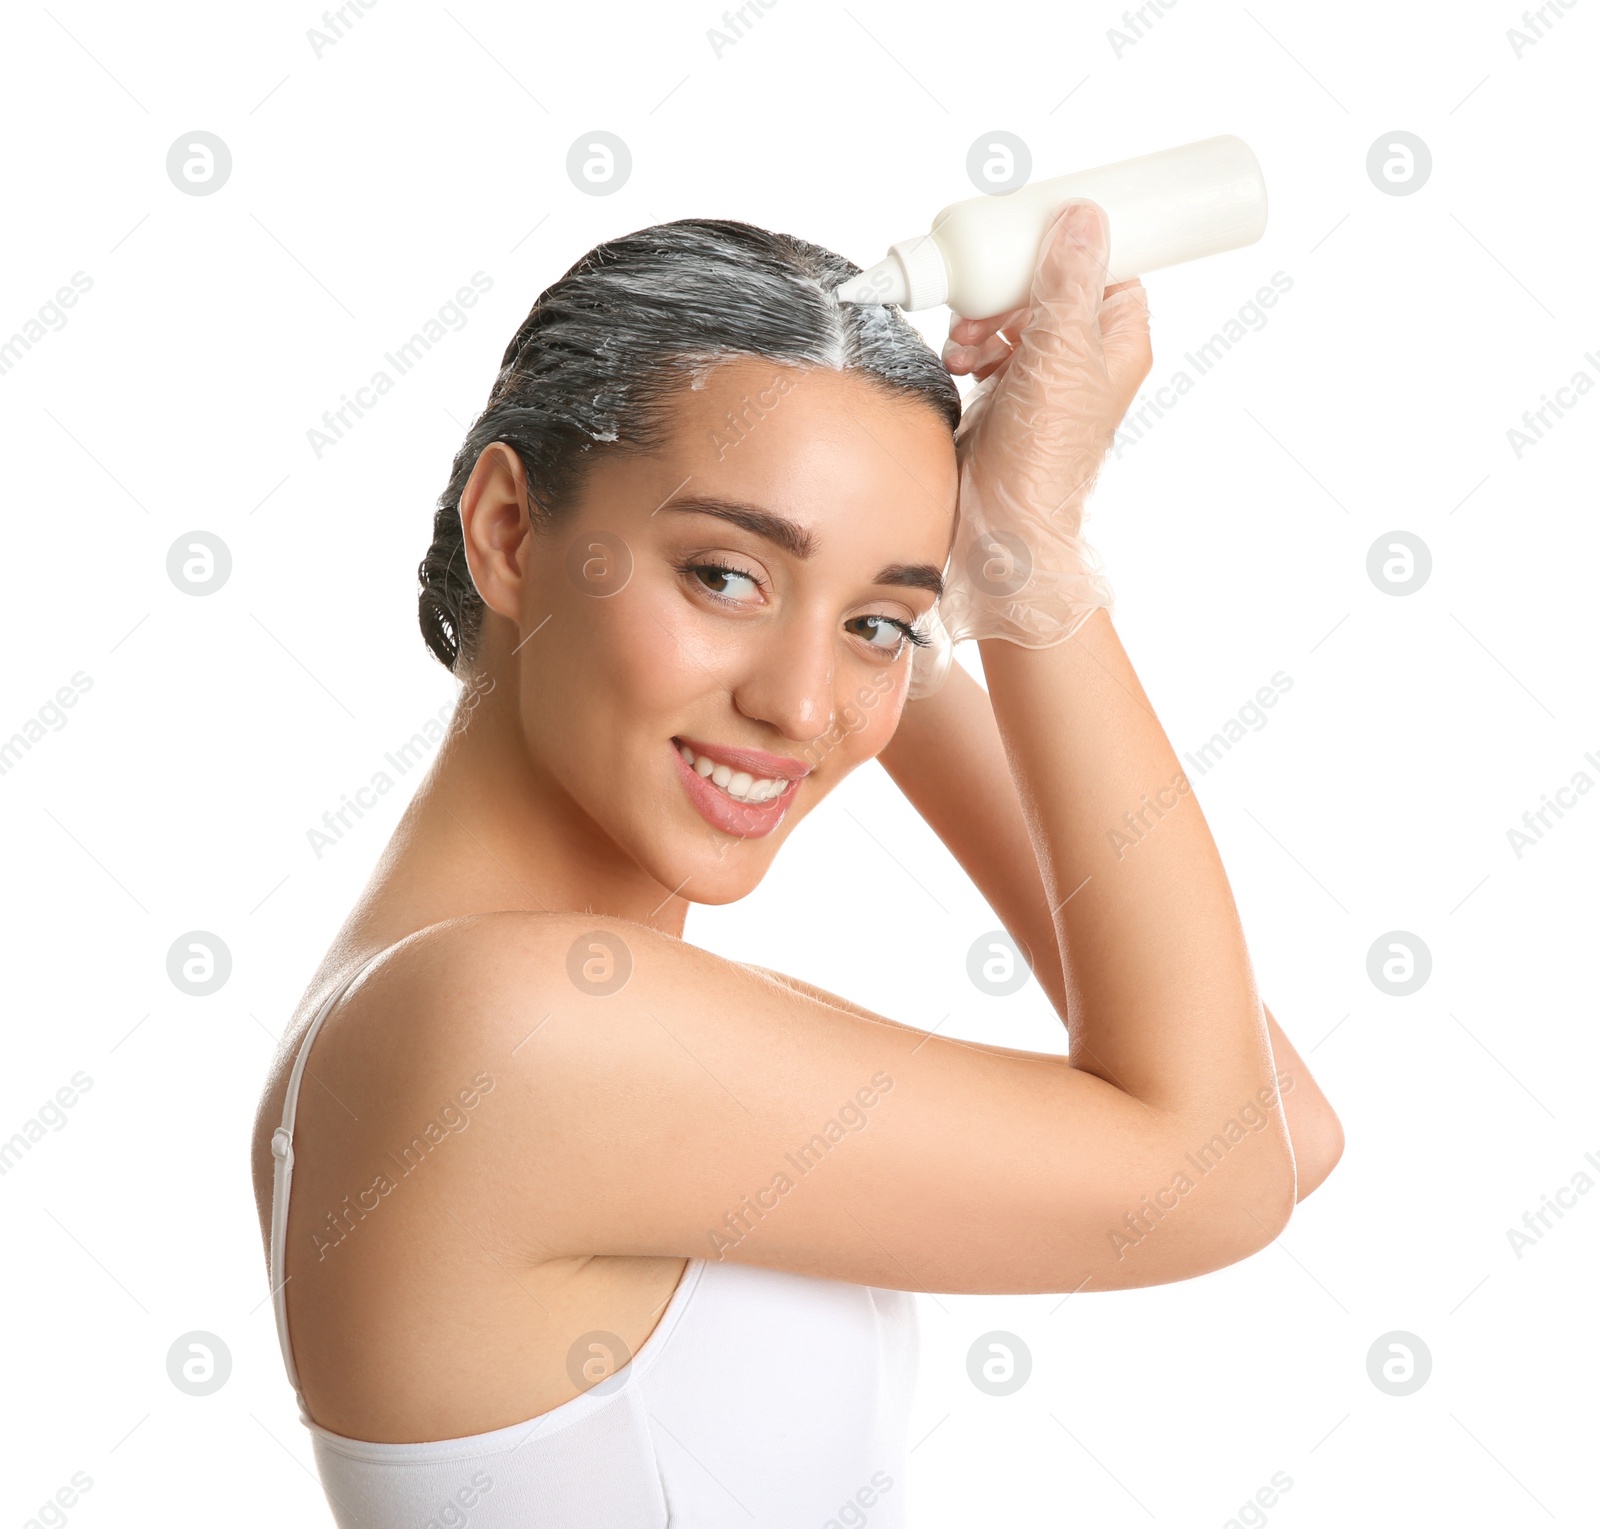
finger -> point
(1125, 337)
(1069, 279)
(989, 368)
(974, 358)
(971, 331)
(1127, 308)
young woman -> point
(589, 1226)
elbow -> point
(1275, 1202)
(1258, 1210)
(1315, 1159)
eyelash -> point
(698, 565)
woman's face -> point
(715, 636)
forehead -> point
(809, 442)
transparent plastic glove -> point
(1032, 437)
(931, 664)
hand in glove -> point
(1055, 379)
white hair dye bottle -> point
(1163, 209)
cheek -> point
(866, 719)
(612, 665)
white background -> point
(368, 184)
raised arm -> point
(688, 1106)
(948, 759)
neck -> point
(487, 831)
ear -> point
(495, 527)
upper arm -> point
(705, 1109)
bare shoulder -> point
(618, 1092)
(499, 979)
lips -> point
(747, 819)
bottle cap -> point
(913, 274)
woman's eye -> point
(730, 583)
(880, 632)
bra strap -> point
(283, 1172)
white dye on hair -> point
(604, 352)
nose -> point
(788, 679)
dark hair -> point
(606, 347)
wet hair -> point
(604, 351)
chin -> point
(711, 867)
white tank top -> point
(762, 1400)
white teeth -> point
(739, 784)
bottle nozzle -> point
(913, 274)
(883, 283)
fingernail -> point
(1084, 222)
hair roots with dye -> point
(597, 362)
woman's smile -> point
(739, 791)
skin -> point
(616, 1131)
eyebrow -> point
(798, 541)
